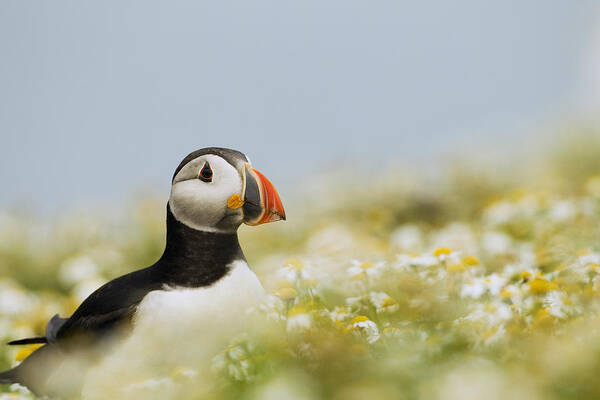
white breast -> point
(223, 303)
(178, 326)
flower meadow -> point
(478, 280)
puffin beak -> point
(261, 201)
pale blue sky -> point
(100, 98)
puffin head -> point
(216, 189)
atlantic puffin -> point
(202, 271)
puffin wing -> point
(109, 306)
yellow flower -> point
(539, 286)
(366, 265)
(297, 310)
(26, 351)
(441, 250)
(470, 261)
(388, 301)
(360, 318)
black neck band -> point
(195, 258)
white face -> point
(202, 204)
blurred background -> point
(100, 99)
(439, 163)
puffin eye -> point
(206, 173)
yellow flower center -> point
(297, 310)
(470, 261)
(360, 318)
(26, 351)
(366, 265)
(441, 250)
(539, 286)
